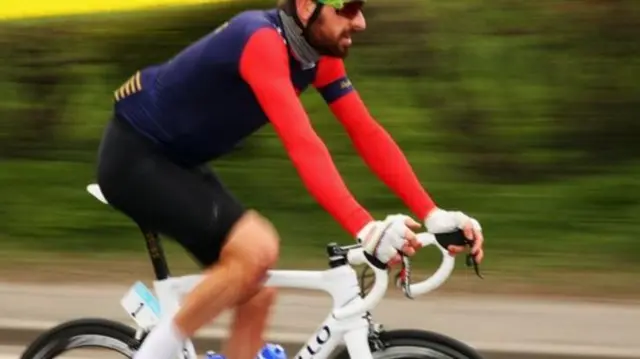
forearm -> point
(382, 154)
(321, 178)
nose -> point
(359, 23)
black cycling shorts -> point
(190, 205)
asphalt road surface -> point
(501, 327)
(13, 352)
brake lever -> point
(471, 261)
(406, 268)
(403, 278)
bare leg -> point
(252, 248)
(221, 289)
(249, 323)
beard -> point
(324, 45)
(328, 48)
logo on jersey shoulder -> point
(221, 27)
(132, 86)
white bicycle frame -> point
(346, 323)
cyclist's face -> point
(331, 33)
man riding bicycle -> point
(172, 118)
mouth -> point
(346, 40)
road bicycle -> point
(348, 331)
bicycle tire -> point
(83, 333)
(412, 343)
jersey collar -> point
(301, 49)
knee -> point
(253, 243)
(265, 242)
(260, 300)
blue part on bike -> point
(272, 351)
(269, 351)
(212, 355)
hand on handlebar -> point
(440, 221)
(382, 241)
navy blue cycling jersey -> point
(197, 105)
(202, 102)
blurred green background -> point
(524, 114)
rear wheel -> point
(117, 339)
(414, 344)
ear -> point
(305, 8)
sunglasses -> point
(350, 10)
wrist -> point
(365, 231)
(357, 221)
(431, 212)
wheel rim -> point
(71, 346)
(433, 351)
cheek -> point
(319, 33)
(331, 27)
(335, 32)
(325, 34)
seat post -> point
(156, 253)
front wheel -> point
(416, 344)
(83, 334)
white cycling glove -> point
(382, 240)
(441, 221)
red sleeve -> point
(371, 140)
(264, 64)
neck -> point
(296, 39)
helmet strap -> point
(297, 35)
(314, 16)
(290, 9)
